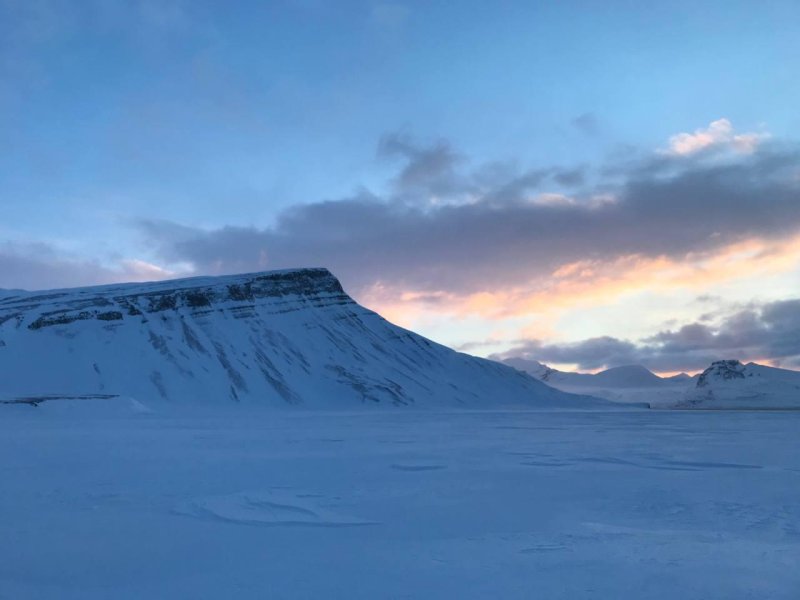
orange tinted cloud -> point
(590, 283)
(719, 133)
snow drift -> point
(290, 337)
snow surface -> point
(279, 338)
(101, 499)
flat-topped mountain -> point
(291, 337)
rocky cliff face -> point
(278, 338)
(196, 295)
(721, 370)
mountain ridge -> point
(621, 376)
(725, 384)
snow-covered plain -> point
(102, 499)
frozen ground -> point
(631, 504)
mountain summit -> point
(281, 337)
(730, 384)
(627, 376)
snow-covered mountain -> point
(682, 378)
(531, 367)
(289, 337)
(731, 384)
(629, 376)
(627, 384)
(726, 384)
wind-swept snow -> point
(250, 503)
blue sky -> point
(194, 117)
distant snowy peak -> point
(681, 378)
(731, 384)
(722, 370)
(629, 376)
(726, 384)
(531, 367)
(272, 338)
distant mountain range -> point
(726, 384)
(629, 376)
(278, 338)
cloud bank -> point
(766, 333)
(442, 227)
(41, 266)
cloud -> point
(428, 171)
(35, 266)
(513, 251)
(389, 15)
(507, 230)
(587, 123)
(769, 332)
(719, 134)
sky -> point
(587, 184)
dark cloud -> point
(430, 169)
(770, 331)
(593, 353)
(40, 266)
(501, 235)
(587, 123)
(570, 177)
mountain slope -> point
(731, 384)
(283, 337)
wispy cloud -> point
(719, 134)
(36, 266)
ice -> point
(250, 503)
